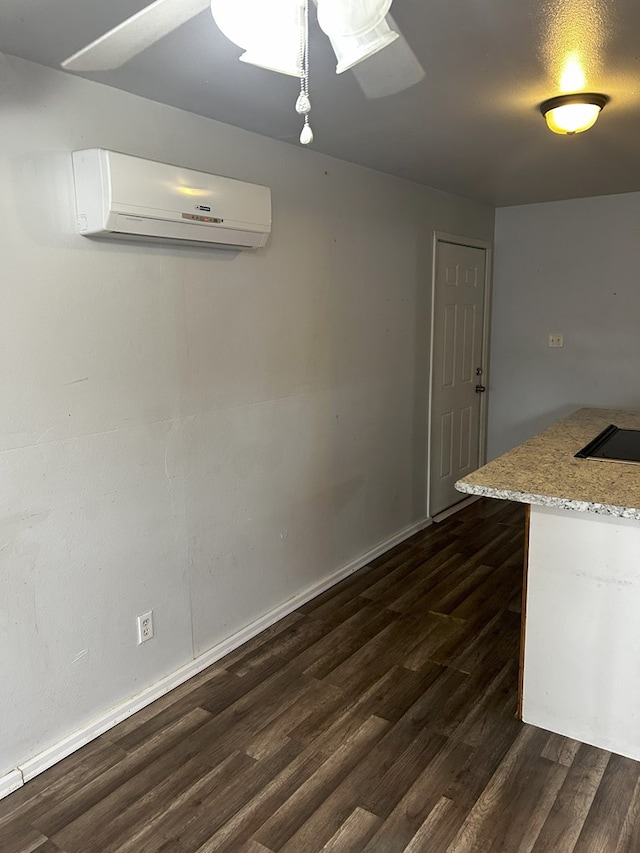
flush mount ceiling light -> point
(570, 114)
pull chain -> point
(303, 104)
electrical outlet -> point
(145, 627)
(556, 339)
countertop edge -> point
(548, 500)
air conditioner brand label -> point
(203, 207)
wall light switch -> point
(556, 339)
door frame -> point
(456, 239)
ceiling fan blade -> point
(134, 35)
(391, 70)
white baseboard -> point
(447, 513)
(10, 783)
(56, 752)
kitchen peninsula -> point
(581, 607)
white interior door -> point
(457, 388)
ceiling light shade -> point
(355, 18)
(356, 30)
(281, 55)
(268, 32)
(350, 50)
(570, 114)
(282, 59)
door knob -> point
(480, 389)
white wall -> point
(200, 433)
(570, 267)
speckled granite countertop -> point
(543, 469)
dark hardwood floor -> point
(380, 717)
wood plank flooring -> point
(380, 717)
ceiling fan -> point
(274, 35)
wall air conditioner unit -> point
(118, 195)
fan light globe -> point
(268, 32)
(275, 35)
(338, 18)
(356, 30)
(571, 114)
(350, 50)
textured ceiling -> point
(471, 127)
